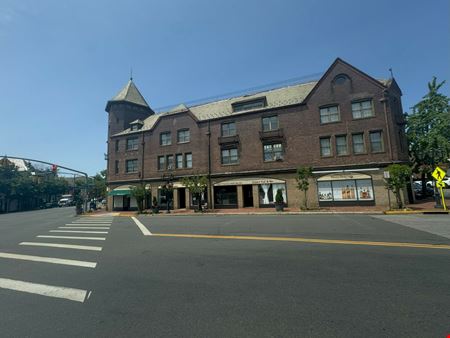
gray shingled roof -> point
(131, 94)
(275, 98)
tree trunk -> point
(305, 201)
(424, 185)
(399, 198)
(199, 197)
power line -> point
(247, 91)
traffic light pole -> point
(60, 166)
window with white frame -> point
(183, 136)
(376, 141)
(329, 114)
(341, 145)
(179, 161)
(161, 162)
(273, 152)
(188, 160)
(270, 123)
(358, 143)
(165, 138)
(362, 109)
(325, 146)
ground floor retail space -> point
(327, 188)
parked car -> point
(65, 202)
(417, 187)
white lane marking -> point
(88, 224)
(142, 227)
(73, 237)
(49, 260)
(76, 295)
(97, 228)
(64, 246)
(81, 231)
(91, 222)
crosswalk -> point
(71, 238)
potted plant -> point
(155, 208)
(279, 201)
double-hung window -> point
(188, 160)
(362, 109)
(179, 161)
(161, 163)
(341, 145)
(270, 123)
(230, 156)
(132, 143)
(228, 129)
(131, 166)
(165, 138)
(273, 152)
(376, 141)
(325, 146)
(329, 114)
(183, 136)
(358, 143)
(169, 162)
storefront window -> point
(346, 190)
(225, 196)
(325, 191)
(267, 193)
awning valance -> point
(123, 190)
(343, 177)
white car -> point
(446, 180)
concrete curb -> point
(416, 212)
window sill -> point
(326, 156)
(229, 164)
(165, 145)
(184, 142)
(271, 161)
(378, 152)
(131, 173)
(327, 123)
(362, 118)
(342, 155)
(357, 154)
(130, 150)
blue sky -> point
(60, 61)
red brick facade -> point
(300, 131)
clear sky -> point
(60, 61)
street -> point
(232, 276)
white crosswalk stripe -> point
(73, 237)
(76, 295)
(80, 231)
(83, 227)
(48, 260)
(64, 246)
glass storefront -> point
(346, 190)
(267, 193)
(225, 196)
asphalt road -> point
(215, 285)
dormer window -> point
(250, 104)
(136, 125)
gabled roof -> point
(130, 94)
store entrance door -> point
(247, 191)
(182, 198)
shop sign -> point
(252, 181)
(343, 177)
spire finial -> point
(392, 74)
(131, 73)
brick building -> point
(348, 126)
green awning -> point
(118, 192)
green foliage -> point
(139, 193)
(197, 185)
(400, 175)
(428, 129)
(303, 176)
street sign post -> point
(438, 174)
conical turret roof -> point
(130, 94)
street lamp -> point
(167, 188)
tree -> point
(427, 129)
(399, 176)
(196, 185)
(303, 176)
(139, 193)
